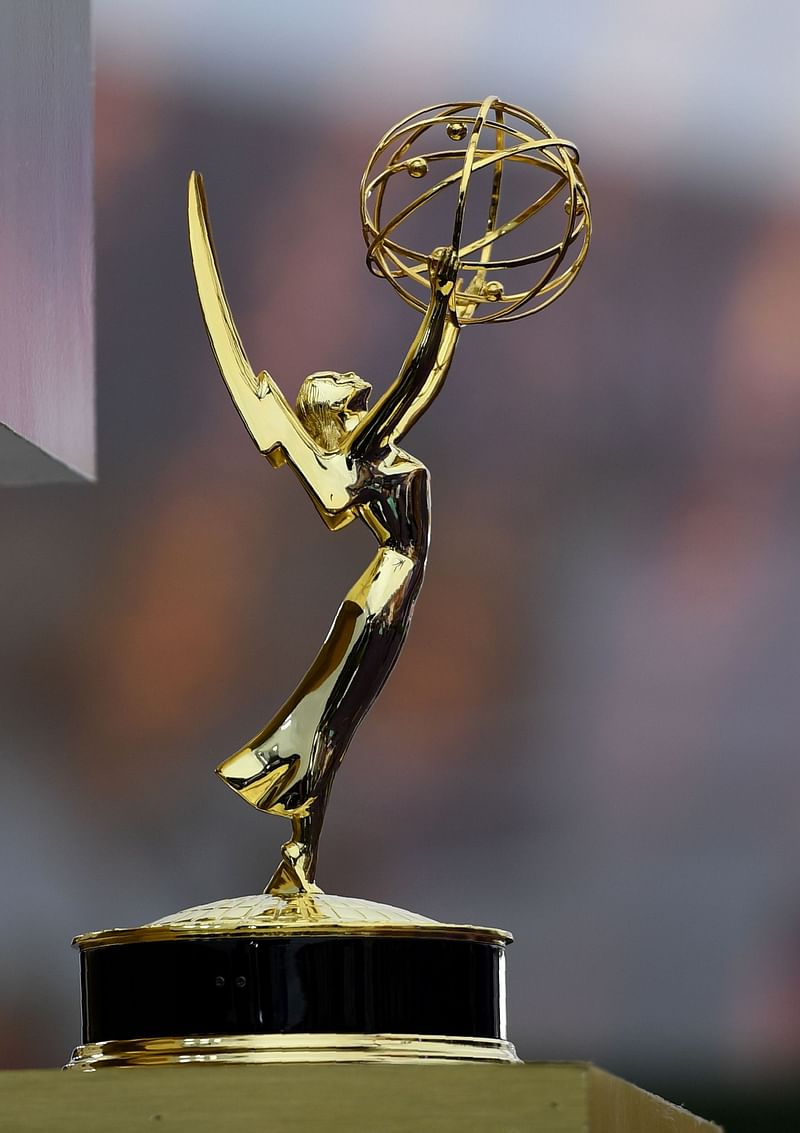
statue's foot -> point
(291, 877)
(259, 778)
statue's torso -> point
(394, 500)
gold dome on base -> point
(306, 914)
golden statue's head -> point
(330, 405)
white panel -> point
(46, 241)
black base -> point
(315, 984)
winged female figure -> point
(347, 457)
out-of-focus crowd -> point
(591, 737)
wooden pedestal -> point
(543, 1097)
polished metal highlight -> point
(222, 1050)
(347, 456)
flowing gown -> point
(288, 768)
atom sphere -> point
(466, 149)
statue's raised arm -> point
(269, 418)
(424, 369)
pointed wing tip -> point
(197, 190)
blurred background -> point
(592, 735)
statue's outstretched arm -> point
(269, 418)
(424, 370)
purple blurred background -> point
(592, 736)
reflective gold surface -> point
(348, 459)
(347, 455)
(253, 1049)
(307, 914)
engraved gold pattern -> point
(310, 914)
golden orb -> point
(505, 177)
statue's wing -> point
(264, 410)
(270, 420)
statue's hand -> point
(443, 265)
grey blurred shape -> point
(47, 430)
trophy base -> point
(311, 978)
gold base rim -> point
(148, 934)
(227, 1050)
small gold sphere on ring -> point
(456, 131)
(417, 167)
(493, 291)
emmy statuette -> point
(293, 974)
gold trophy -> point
(294, 974)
